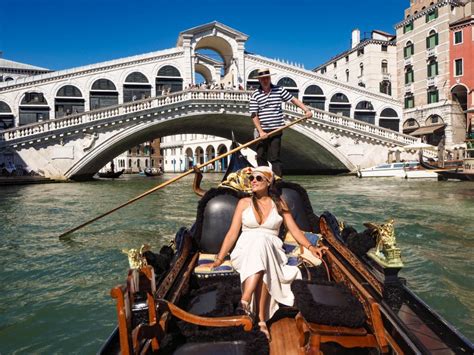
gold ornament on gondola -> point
(238, 181)
(386, 251)
(136, 260)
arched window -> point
(314, 97)
(410, 125)
(33, 108)
(8, 78)
(290, 85)
(136, 87)
(364, 111)
(168, 79)
(389, 119)
(340, 105)
(432, 39)
(68, 101)
(409, 49)
(433, 120)
(385, 87)
(384, 67)
(252, 82)
(347, 75)
(6, 116)
(103, 94)
(432, 68)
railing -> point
(102, 115)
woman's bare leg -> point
(262, 299)
(250, 285)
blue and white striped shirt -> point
(268, 106)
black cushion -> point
(203, 303)
(217, 219)
(297, 208)
(222, 347)
(328, 303)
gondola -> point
(153, 172)
(110, 174)
(354, 302)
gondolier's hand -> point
(318, 251)
(262, 134)
(308, 114)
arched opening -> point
(389, 119)
(340, 105)
(385, 87)
(364, 112)
(290, 85)
(33, 108)
(220, 53)
(8, 78)
(433, 119)
(202, 74)
(210, 154)
(168, 79)
(460, 98)
(68, 101)
(252, 81)
(223, 162)
(103, 94)
(410, 125)
(189, 158)
(136, 87)
(7, 120)
(432, 132)
(199, 156)
(314, 97)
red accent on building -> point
(462, 59)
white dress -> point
(259, 248)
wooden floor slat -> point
(284, 338)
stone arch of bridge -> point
(304, 150)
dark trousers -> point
(269, 150)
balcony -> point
(386, 76)
(408, 87)
(408, 61)
(431, 81)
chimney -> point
(355, 37)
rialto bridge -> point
(70, 123)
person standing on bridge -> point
(267, 115)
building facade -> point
(425, 70)
(369, 63)
(462, 67)
(183, 151)
(138, 158)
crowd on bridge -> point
(214, 86)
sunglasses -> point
(259, 178)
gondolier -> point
(267, 115)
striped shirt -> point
(268, 106)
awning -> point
(427, 130)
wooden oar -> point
(190, 171)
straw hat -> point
(262, 73)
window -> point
(347, 58)
(432, 68)
(432, 40)
(432, 15)
(458, 67)
(323, 70)
(409, 101)
(409, 76)
(347, 74)
(458, 37)
(384, 47)
(384, 67)
(409, 50)
(433, 96)
(335, 64)
(386, 87)
(408, 27)
(360, 52)
(361, 66)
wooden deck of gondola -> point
(285, 338)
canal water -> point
(54, 295)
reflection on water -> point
(55, 294)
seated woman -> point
(258, 255)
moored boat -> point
(153, 172)
(464, 173)
(173, 303)
(406, 170)
(110, 174)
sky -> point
(61, 34)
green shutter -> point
(436, 39)
(427, 42)
(405, 52)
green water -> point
(54, 295)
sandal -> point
(264, 330)
(244, 308)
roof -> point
(10, 64)
(208, 26)
(463, 21)
(427, 129)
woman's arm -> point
(233, 232)
(292, 227)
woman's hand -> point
(318, 252)
(217, 262)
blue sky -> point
(60, 34)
